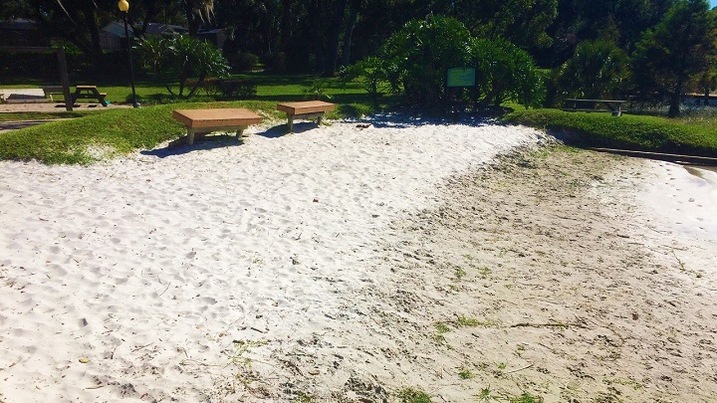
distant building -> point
(216, 36)
(112, 36)
(695, 99)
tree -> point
(598, 69)
(418, 55)
(505, 72)
(669, 58)
(77, 21)
(179, 58)
(522, 22)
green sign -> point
(461, 77)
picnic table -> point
(89, 92)
(200, 122)
(591, 105)
(304, 110)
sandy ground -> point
(345, 264)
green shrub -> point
(410, 395)
(244, 61)
(598, 69)
(274, 61)
(418, 56)
(180, 58)
(370, 74)
(237, 88)
(416, 59)
(505, 72)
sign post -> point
(458, 78)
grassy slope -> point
(126, 130)
(119, 131)
(645, 133)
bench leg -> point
(190, 136)
(290, 123)
(319, 119)
(240, 131)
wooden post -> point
(62, 61)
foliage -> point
(526, 397)
(243, 61)
(598, 69)
(179, 58)
(645, 133)
(317, 90)
(523, 22)
(670, 58)
(419, 54)
(370, 74)
(411, 395)
(503, 72)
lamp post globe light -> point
(123, 6)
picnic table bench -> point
(305, 110)
(200, 122)
(89, 92)
(51, 90)
(591, 105)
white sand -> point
(150, 267)
(291, 265)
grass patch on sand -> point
(411, 395)
(104, 134)
(114, 132)
(637, 132)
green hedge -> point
(643, 133)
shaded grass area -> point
(694, 136)
(105, 134)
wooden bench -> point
(304, 110)
(51, 90)
(200, 122)
(592, 105)
(89, 92)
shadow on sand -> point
(203, 143)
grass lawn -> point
(696, 136)
(102, 134)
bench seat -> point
(594, 105)
(200, 122)
(305, 110)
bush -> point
(275, 61)
(371, 75)
(505, 72)
(416, 59)
(244, 61)
(598, 69)
(418, 56)
(235, 88)
(179, 58)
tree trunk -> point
(193, 22)
(675, 99)
(348, 36)
(90, 16)
(334, 36)
(286, 25)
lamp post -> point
(123, 6)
